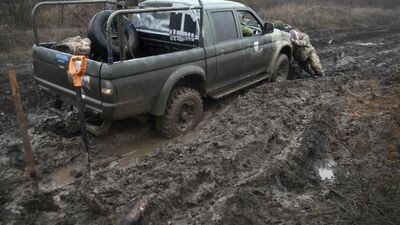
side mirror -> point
(268, 28)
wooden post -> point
(30, 164)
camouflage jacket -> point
(247, 32)
(302, 47)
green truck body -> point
(220, 64)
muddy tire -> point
(281, 71)
(183, 113)
(98, 36)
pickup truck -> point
(171, 71)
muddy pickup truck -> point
(183, 51)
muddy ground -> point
(305, 151)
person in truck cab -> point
(304, 53)
(247, 31)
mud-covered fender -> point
(176, 76)
(281, 45)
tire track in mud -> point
(209, 170)
(291, 188)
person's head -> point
(240, 16)
(279, 24)
(297, 29)
(294, 34)
(288, 28)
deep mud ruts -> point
(305, 151)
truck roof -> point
(208, 4)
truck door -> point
(229, 48)
(259, 46)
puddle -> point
(367, 43)
(326, 171)
(326, 174)
(142, 148)
(61, 177)
(346, 61)
(120, 155)
(385, 52)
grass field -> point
(16, 44)
(327, 14)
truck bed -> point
(150, 44)
(135, 93)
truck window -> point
(224, 26)
(190, 25)
(249, 25)
(175, 21)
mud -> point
(305, 151)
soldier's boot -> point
(315, 64)
(310, 69)
(306, 67)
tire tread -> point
(165, 124)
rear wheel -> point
(281, 71)
(183, 113)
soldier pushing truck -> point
(303, 51)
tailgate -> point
(50, 69)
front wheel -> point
(183, 113)
(281, 71)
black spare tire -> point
(97, 33)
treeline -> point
(16, 14)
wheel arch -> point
(284, 47)
(287, 50)
(189, 76)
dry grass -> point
(15, 42)
(312, 17)
(327, 14)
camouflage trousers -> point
(313, 65)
